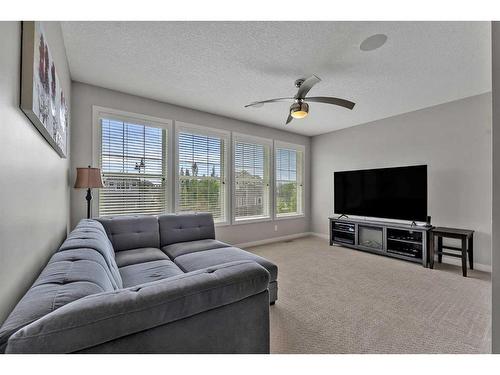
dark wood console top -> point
(384, 223)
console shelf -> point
(396, 240)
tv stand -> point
(397, 240)
(343, 215)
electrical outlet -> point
(276, 227)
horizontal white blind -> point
(133, 164)
(288, 174)
(200, 167)
(251, 180)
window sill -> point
(250, 220)
(291, 216)
(223, 224)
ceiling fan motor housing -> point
(299, 109)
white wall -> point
(495, 274)
(34, 191)
(453, 139)
(84, 96)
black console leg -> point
(331, 232)
(272, 303)
(431, 250)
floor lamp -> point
(88, 178)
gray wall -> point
(453, 139)
(84, 96)
(34, 198)
(495, 274)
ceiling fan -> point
(299, 109)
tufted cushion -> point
(209, 258)
(105, 317)
(141, 255)
(69, 276)
(185, 227)
(131, 232)
(142, 273)
(89, 255)
(89, 235)
(176, 249)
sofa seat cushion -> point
(142, 273)
(181, 248)
(141, 255)
(203, 259)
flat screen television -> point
(390, 193)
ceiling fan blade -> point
(330, 100)
(260, 104)
(289, 119)
(306, 86)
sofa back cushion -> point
(132, 232)
(89, 236)
(185, 227)
(71, 273)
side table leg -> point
(464, 257)
(471, 252)
(440, 249)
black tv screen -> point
(391, 193)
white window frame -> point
(298, 148)
(257, 140)
(173, 128)
(99, 113)
(206, 131)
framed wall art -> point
(42, 97)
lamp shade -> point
(88, 178)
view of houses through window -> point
(201, 174)
(251, 180)
(289, 184)
(133, 160)
(133, 165)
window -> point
(133, 152)
(201, 163)
(251, 178)
(289, 165)
(133, 163)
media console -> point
(402, 241)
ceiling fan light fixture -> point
(299, 110)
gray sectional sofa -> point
(145, 284)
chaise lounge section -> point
(145, 284)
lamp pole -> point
(88, 198)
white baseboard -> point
(447, 260)
(273, 239)
(320, 235)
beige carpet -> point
(337, 300)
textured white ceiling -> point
(219, 67)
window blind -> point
(201, 164)
(133, 165)
(289, 185)
(251, 180)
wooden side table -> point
(467, 238)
